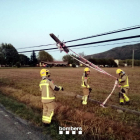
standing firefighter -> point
(48, 99)
(85, 85)
(123, 82)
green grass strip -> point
(29, 114)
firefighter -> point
(48, 98)
(123, 82)
(85, 85)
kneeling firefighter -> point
(85, 85)
(48, 98)
(123, 82)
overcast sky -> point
(26, 23)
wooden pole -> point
(113, 106)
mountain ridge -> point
(123, 52)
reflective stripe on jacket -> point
(123, 81)
(85, 81)
(47, 87)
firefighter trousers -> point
(86, 93)
(123, 95)
(48, 112)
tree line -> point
(103, 62)
(9, 56)
(129, 62)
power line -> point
(36, 46)
(116, 39)
(110, 32)
(38, 50)
(107, 44)
(130, 37)
(52, 49)
(100, 45)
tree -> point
(18, 64)
(136, 62)
(2, 60)
(24, 60)
(33, 59)
(9, 54)
(45, 56)
(109, 62)
(129, 62)
(70, 60)
(94, 61)
(67, 58)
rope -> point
(115, 84)
(94, 65)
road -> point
(14, 128)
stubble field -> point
(97, 122)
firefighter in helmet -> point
(123, 82)
(48, 98)
(85, 85)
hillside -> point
(124, 52)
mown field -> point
(97, 123)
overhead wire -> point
(52, 49)
(100, 45)
(108, 44)
(97, 46)
(35, 46)
(106, 33)
(116, 39)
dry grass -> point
(23, 84)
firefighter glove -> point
(61, 88)
(90, 89)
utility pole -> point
(133, 59)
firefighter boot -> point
(121, 101)
(85, 100)
(126, 99)
(46, 124)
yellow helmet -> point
(43, 72)
(118, 71)
(86, 69)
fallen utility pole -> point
(113, 106)
(62, 47)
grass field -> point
(97, 123)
